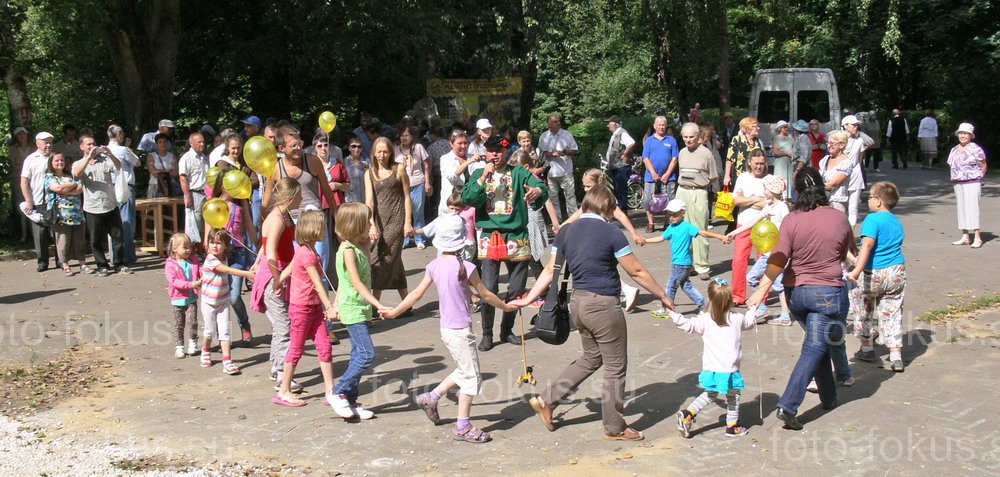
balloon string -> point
(234, 239)
(760, 380)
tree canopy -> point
(93, 62)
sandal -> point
(68, 271)
(539, 407)
(283, 401)
(86, 270)
(628, 434)
(430, 407)
(470, 434)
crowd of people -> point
(328, 221)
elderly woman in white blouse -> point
(968, 168)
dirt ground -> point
(938, 416)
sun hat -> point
(484, 123)
(675, 205)
(44, 136)
(780, 124)
(800, 126)
(966, 128)
(775, 184)
(450, 233)
(849, 119)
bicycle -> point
(634, 185)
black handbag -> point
(552, 321)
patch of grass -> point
(953, 311)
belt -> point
(693, 187)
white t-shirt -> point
(449, 180)
(216, 154)
(128, 159)
(34, 169)
(854, 149)
(775, 211)
(749, 186)
(194, 166)
(562, 140)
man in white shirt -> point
(619, 157)
(558, 148)
(125, 190)
(193, 167)
(32, 186)
(927, 134)
(456, 167)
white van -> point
(791, 94)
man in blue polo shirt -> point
(659, 154)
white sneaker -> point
(193, 348)
(362, 412)
(340, 405)
(631, 293)
(179, 352)
(420, 246)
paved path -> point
(937, 416)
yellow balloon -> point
(261, 156)
(215, 212)
(237, 184)
(764, 236)
(327, 121)
(212, 174)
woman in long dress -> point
(387, 194)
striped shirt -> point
(214, 284)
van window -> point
(814, 105)
(773, 106)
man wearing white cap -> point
(558, 148)
(32, 186)
(148, 142)
(477, 144)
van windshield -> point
(814, 105)
(773, 106)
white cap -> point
(675, 205)
(19, 130)
(849, 119)
(44, 136)
(484, 123)
(966, 128)
(166, 123)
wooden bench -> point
(158, 219)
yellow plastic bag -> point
(724, 205)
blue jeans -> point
(255, 208)
(362, 356)
(417, 198)
(239, 258)
(679, 279)
(823, 312)
(756, 272)
(621, 176)
(128, 229)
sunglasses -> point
(355, 146)
(322, 146)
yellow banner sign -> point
(437, 87)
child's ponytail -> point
(720, 299)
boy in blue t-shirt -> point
(877, 300)
(680, 233)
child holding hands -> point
(354, 302)
(721, 331)
(680, 232)
(308, 304)
(183, 272)
(455, 278)
(215, 302)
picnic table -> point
(159, 218)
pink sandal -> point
(470, 434)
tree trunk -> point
(525, 46)
(17, 90)
(143, 40)
(724, 86)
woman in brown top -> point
(387, 194)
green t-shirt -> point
(352, 306)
